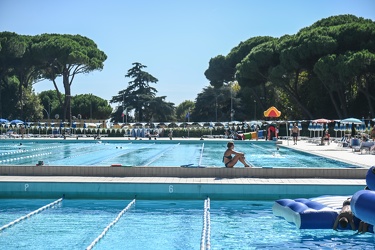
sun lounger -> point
(367, 146)
(355, 144)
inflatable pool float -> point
(315, 213)
(363, 206)
(370, 178)
(363, 202)
(321, 212)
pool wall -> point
(172, 188)
(105, 171)
(176, 182)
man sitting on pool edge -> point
(230, 160)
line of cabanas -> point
(18, 123)
(341, 126)
(16, 126)
(317, 125)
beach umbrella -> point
(245, 126)
(310, 128)
(320, 128)
(342, 128)
(61, 126)
(322, 120)
(351, 120)
(336, 128)
(362, 126)
(16, 122)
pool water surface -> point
(159, 224)
(171, 154)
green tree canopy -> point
(324, 69)
(141, 97)
(66, 56)
(183, 109)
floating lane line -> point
(110, 225)
(206, 230)
(30, 214)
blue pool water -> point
(168, 154)
(75, 224)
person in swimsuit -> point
(295, 132)
(230, 160)
(345, 217)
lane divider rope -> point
(110, 225)
(30, 214)
(206, 230)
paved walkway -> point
(334, 151)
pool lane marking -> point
(110, 225)
(157, 156)
(116, 155)
(30, 214)
(206, 229)
(76, 155)
(201, 155)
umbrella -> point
(322, 120)
(362, 127)
(310, 127)
(16, 122)
(3, 120)
(336, 128)
(351, 120)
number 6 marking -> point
(170, 188)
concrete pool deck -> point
(198, 183)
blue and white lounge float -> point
(321, 212)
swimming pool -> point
(172, 224)
(155, 153)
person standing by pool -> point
(295, 132)
(230, 160)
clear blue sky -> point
(175, 39)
